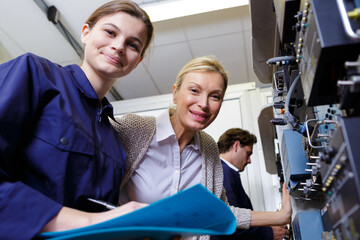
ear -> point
(236, 145)
(174, 94)
(85, 33)
(141, 58)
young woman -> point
(171, 152)
(57, 146)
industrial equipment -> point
(316, 113)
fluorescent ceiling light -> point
(180, 8)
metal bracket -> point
(345, 20)
(316, 125)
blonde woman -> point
(171, 152)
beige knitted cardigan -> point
(137, 132)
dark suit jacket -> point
(238, 198)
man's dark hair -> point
(228, 138)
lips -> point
(112, 59)
(200, 116)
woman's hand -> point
(116, 212)
(69, 218)
(286, 208)
(278, 218)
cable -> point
(288, 116)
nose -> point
(118, 46)
(249, 160)
(203, 101)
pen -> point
(103, 203)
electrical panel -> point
(322, 47)
(316, 114)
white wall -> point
(241, 107)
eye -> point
(110, 32)
(194, 90)
(134, 46)
(217, 97)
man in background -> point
(235, 147)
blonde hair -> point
(202, 64)
(128, 7)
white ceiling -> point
(224, 33)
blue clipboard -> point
(194, 211)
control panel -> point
(316, 109)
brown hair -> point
(228, 138)
(128, 7)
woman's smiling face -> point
(198, 99)
(114, 45)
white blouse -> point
(163, 171)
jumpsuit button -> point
(64, 141)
